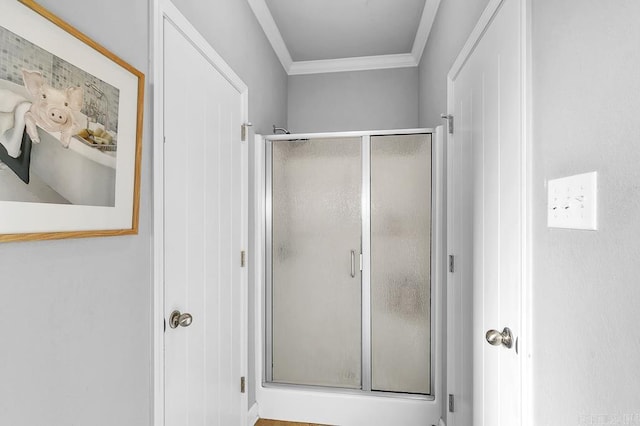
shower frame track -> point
(338, 405)
(366, 366)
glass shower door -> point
(401, 263)
(316, 233)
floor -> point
(264, 422)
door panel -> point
(316, 235)
(487, 211)
(202, 237)
(401, 263)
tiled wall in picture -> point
(100, 99)
(17, 53)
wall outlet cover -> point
(573, 202)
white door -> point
(486, 231)
(202, 237)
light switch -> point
(573, 202)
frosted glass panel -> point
(316, 223)
(401, 263)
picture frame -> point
(71, 119)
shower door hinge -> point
(244, 131)
(451, 263)
(451, 403)
(449, 119)
(243, 258)
(242, 384)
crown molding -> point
(403, 60)
(424, 29)
(268, 24)
(362, 63)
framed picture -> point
(70, 131)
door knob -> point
(177, 319)
(496, 338)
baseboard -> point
(252, 416)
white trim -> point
(157, 76)
(453, 350)
(268, 24)
(525, 339)
(527, 212)
(164, 9)
(306, 405)
(172, 14)
(424, 29)
(244, 273)
(252, 416)
(362, 63)
(474, 39)
(259, 255)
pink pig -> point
(53, 110)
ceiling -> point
(317, 36)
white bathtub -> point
(80, 174)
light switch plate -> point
(573, 202)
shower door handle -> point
(353, 263)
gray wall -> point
(360, 100)
(586, 95)
(453, 24)
(75, 347)
(232, 29)
(586, 116)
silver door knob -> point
(496, 338)
(177, 319)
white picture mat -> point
(19, 217)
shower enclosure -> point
(348, 262)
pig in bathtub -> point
(52, 109)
